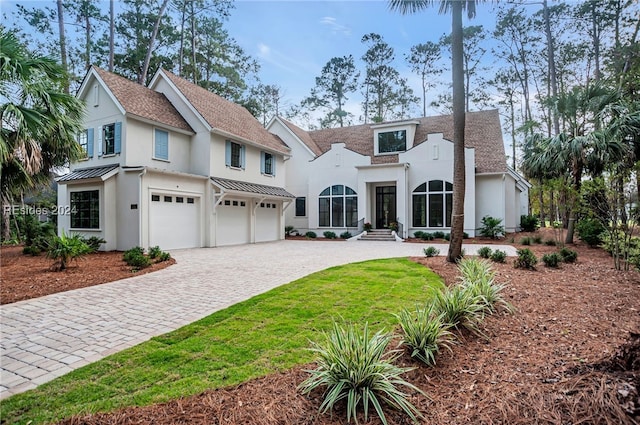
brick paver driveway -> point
(44, 338)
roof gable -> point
(139, 101)
(223, 116)
(482, 133)
(302, 135)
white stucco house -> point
(177, 166)
(399, 172)
(172, 165)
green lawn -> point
(268, 333)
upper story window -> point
(392, 141)
(234, 155)
(85, 140)
(161, 144)
(267, 164)
(111, 138)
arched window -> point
(338, 207)
(432, 204)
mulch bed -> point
(25, 277)
(569, 355)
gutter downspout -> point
(504, 202)
(140, 176)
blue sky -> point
(293, 40)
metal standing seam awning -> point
(252, 190)
(94, 173)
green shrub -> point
(424, 333)
(526, 259)
(590, 231)
(498, 256)
(32, 250)
(288, 230)
(438, 235)
(426, 236)
(154, 252)
(310, 235)
(525, 241)
(163, 256)
(345, 235)
(329, 234)
(447, 236)
(459, 308)
(551, 260)
(550, 242)
(65, 248)
(529, 223)
(465, 235)
(418, 234)
(431, 251)
(94, 242)
(491, 227)
(358, 368)
(484, 252)
(478, 278)
(536, 239)
(135, 258)
(568, 255)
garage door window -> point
(85, 209)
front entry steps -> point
(378, 235)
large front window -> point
(338, 207)
(432, 204)
(392, 141)
(85, 210)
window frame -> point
(268, 164)
(442, 198)
(105, 141)
(379, 143)
(300, 199)
(92, 220)
(336, 198)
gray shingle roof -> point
(258, 189)
(482, 132)
(88, 173)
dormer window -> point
(392, 141)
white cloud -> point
(334, 26)
(264, 51)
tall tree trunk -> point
(424, 96)
(513, 129)
(63, 44)
(553, 79)
(152, 42)
(112, 32)
(87, 40)
(457, 51)
(193, 45)
(181, 49)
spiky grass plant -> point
(478, 277)
(472, 269)
(459, 307)
(424, 333)
(357, 368)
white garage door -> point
(267, 222)
(232, 222)
(174, 221)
